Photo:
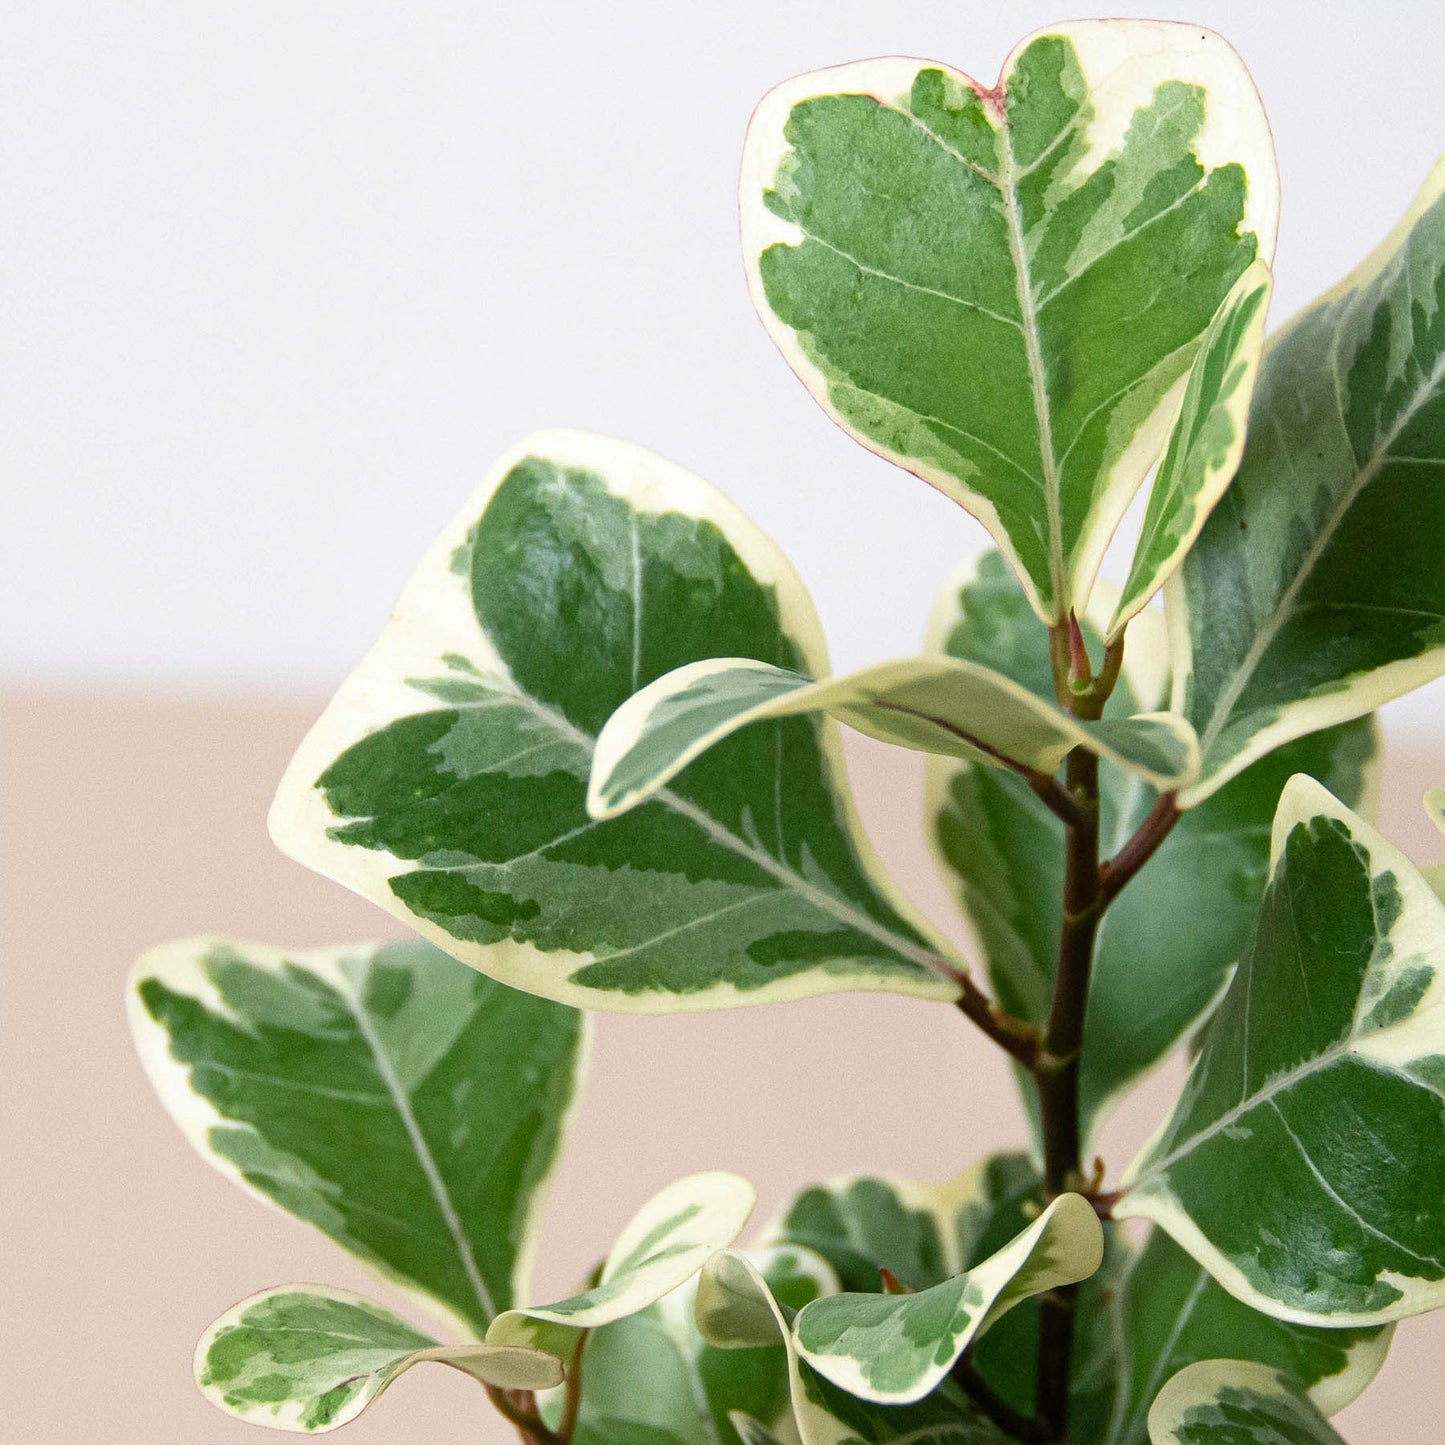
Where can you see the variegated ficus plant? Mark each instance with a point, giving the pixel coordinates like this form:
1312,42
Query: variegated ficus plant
592,761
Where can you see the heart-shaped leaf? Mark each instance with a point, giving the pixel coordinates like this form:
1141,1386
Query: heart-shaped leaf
930,704
1236,1402
1304,1165
446,780
1205,444
1003,288
309,1359
666,1242
894,1349
1003,853
1315,591
404,1105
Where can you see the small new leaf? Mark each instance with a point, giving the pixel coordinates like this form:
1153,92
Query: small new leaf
308,1359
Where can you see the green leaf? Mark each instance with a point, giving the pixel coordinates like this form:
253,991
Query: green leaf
307,1359
1205,444
894,1349
402,1104
446,781
1166,1312
930,704
665,1243
1304,1165
749,1432
1003,289
694,1391
1002,852
1315,591
736,1309
1236,1402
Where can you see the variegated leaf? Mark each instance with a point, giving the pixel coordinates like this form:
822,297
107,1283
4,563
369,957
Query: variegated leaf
1166,1312
934,704
652,1377
663,1245
736,1309
1304,1165
1002,289
446,780
404,1105
1435,810
894,1349
1205,444
1003,852
309,1359
1315,591
1236,1402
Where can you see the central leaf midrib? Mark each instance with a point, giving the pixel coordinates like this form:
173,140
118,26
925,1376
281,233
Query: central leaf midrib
1284,608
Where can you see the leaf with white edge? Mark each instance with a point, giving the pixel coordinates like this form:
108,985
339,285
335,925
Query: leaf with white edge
446,780
1315,592
694,1391
309,1359
404,1105
1002,852
1435,810
1002,289
664,1244
736,1309
1166,1313
894,1349
1236,1402
1205,444
1304,1164
930,704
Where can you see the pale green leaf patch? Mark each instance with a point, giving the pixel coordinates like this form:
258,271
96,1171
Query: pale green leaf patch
309,1359
666,1242
1434,874
750,1432
1205,444
1304,1164
447,779
404,1105
894,1349
1002,851
1002,289
1236,1402
1315,590
936,705
737,1310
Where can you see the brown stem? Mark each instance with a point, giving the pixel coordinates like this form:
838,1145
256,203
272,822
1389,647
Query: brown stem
1155,828
572,1393
1012,1422
519,1409
1014,1035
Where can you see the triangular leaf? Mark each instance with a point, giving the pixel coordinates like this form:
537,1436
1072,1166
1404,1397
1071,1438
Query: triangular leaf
407,1107
1304,1165
665,1243
894,1349
1315,591
446,780
1236,1402
931,704
309,1359
1205,444
1001,289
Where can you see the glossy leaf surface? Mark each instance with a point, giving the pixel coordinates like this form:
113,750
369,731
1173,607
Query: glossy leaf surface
1304,1165
1236,1402
1315,591
1001,289
446,781
404,1105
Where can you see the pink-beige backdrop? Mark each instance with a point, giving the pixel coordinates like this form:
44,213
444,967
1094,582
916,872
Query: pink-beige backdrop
130,819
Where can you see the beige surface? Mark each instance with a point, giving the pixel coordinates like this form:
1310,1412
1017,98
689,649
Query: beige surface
127,822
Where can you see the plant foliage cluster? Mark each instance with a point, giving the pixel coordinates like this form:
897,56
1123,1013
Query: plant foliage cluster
592,761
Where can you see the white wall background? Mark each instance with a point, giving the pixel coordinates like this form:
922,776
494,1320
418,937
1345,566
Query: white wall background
282,278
